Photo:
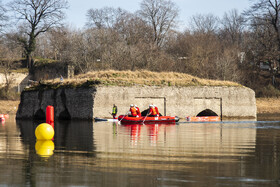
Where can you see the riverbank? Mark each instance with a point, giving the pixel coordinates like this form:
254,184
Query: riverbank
8,107
268,108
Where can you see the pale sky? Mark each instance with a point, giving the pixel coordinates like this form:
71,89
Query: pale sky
78,9
76,14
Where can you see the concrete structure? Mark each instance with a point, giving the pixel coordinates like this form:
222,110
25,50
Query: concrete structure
18,80
87,103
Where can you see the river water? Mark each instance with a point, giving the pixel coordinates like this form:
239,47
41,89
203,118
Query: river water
85,153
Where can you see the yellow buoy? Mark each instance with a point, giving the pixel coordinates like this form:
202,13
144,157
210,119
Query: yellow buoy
44,132
44,148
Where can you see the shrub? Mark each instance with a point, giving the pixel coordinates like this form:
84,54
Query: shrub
268,91
8,95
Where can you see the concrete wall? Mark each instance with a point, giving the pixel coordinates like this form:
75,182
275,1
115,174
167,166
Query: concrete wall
182,102
52,71
18,80
87,103
68,103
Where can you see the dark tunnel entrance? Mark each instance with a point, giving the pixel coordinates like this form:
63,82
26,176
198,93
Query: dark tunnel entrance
207,112
40,115
65,115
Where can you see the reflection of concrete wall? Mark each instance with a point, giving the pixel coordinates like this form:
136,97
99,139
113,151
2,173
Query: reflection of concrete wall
193,143
74,135
86,103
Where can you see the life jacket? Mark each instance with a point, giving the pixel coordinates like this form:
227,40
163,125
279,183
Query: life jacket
114,110
138,111
153,111
133,111
156,108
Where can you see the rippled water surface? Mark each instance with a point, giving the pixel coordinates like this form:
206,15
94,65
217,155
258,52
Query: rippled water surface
86,153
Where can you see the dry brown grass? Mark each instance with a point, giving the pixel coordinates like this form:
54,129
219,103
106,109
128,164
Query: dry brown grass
129,78
8,107
268,105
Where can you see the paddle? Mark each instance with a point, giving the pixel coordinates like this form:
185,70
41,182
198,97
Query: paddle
110,113
123,117
145,117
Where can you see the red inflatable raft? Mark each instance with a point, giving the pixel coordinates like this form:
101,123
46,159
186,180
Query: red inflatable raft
161,119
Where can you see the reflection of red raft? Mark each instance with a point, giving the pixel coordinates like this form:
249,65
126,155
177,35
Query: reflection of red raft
160,119
3,117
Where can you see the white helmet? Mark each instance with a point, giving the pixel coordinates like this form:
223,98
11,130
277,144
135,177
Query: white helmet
131,105
150,106
135,105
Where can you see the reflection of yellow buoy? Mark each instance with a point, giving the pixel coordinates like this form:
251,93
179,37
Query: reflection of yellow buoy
44,148
44,132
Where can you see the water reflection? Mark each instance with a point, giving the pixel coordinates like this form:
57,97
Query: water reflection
209,138
135,131
150,131
109,154
69,135
44,148
74,136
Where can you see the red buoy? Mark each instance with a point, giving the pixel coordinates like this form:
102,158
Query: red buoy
49,114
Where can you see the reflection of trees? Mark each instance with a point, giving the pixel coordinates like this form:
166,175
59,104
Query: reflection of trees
267,153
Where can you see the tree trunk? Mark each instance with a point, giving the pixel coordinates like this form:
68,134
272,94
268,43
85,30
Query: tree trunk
29,59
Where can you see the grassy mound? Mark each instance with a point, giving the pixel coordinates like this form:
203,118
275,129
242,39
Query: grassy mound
132,78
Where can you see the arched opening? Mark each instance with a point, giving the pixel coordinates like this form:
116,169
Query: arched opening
207,112
40,115
65,115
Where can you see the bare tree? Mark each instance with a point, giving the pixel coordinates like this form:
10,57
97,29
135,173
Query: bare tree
3,17
105,17
9,52
38,16
226,66
204,23
265,13
58,41
6,64
233,25
161,16
133,29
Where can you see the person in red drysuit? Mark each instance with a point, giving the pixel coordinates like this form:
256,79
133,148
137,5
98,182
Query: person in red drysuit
152,111
156,108
133,111
138,111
